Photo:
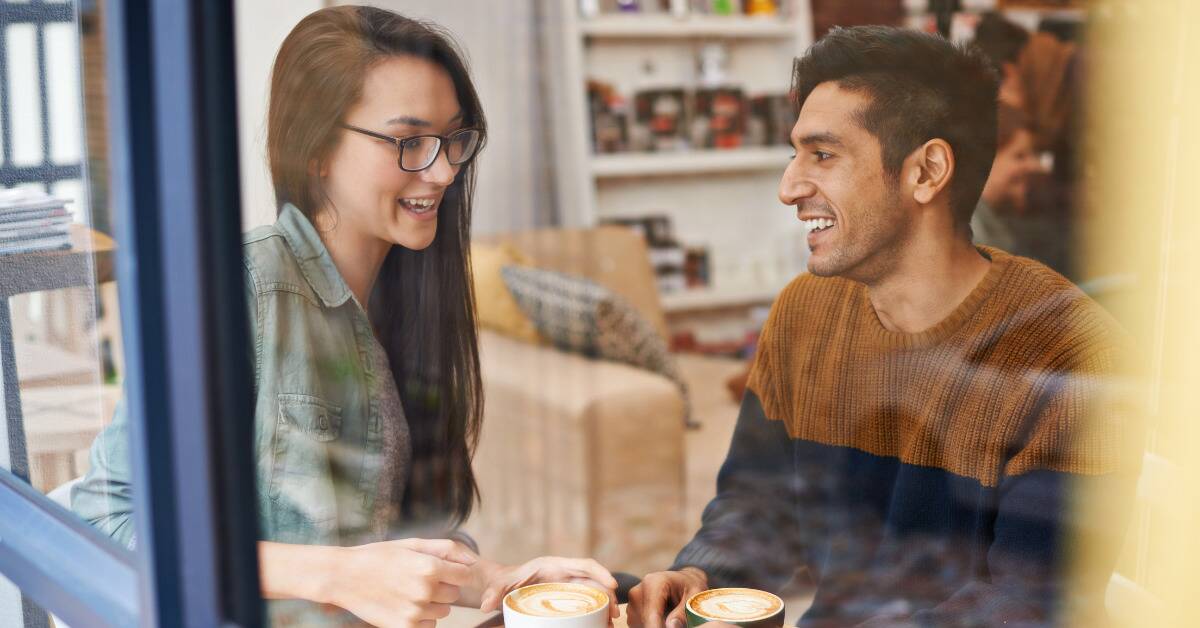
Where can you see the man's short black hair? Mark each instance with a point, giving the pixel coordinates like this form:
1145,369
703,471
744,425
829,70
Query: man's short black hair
921,87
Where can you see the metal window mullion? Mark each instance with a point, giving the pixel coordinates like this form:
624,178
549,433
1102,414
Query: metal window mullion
44,94
65,565
5,106
175,167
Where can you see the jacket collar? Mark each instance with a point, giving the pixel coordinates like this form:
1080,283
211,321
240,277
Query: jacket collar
315,263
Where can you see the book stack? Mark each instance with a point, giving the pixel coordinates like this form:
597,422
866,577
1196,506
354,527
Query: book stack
31,220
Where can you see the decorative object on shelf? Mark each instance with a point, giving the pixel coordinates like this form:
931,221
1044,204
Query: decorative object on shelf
589,8
726,7
762,7
711,65
718,118
609,112
658,120
770,120
668,257
695,266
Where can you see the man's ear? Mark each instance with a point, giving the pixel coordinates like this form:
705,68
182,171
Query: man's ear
930,169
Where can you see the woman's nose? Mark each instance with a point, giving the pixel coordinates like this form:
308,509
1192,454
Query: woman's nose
440,171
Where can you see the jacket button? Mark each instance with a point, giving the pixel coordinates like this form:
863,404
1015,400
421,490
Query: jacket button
323,421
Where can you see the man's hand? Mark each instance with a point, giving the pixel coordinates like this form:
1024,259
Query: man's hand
663,594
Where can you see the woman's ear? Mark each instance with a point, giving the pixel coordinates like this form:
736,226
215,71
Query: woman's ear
933,165
317,168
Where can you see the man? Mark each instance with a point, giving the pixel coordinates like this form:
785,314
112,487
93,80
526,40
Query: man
921,411
1002,202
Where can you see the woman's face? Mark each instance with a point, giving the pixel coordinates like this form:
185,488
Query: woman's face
371,196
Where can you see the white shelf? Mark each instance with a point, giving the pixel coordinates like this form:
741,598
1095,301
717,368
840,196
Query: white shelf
715,298
626,165
656,26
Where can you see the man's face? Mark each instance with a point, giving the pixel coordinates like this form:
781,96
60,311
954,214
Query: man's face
1009,179
851,207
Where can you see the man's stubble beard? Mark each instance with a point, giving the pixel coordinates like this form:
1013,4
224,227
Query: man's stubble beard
881,236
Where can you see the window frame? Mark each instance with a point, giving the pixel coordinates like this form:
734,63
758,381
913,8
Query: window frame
174,163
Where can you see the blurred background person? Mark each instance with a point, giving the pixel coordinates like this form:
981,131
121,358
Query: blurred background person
1000,219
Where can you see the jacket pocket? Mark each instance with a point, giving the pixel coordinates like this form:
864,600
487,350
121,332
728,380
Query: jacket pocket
302,482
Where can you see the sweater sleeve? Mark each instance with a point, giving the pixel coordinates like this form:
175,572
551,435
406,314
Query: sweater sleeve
748,531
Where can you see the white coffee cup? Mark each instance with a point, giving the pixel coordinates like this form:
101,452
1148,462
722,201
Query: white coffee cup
556,605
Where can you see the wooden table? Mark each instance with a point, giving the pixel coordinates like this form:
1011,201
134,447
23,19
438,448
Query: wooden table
461,617
89,261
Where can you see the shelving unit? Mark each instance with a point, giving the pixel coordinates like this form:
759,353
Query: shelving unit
696,26
723,199
712,299
686,163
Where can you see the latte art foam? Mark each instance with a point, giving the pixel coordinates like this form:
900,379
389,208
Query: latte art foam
735,604
556,600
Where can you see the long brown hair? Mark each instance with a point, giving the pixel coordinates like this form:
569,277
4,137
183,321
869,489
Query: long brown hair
422,305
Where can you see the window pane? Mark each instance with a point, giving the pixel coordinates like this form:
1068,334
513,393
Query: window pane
687,351
60,323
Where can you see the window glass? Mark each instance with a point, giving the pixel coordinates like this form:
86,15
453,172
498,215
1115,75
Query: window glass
60,321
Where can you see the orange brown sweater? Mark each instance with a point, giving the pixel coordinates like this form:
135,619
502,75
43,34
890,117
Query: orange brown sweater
923,477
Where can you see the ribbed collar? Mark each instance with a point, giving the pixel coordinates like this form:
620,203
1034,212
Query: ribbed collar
315,263
944,329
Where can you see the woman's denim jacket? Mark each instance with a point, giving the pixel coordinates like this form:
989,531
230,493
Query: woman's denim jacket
317,425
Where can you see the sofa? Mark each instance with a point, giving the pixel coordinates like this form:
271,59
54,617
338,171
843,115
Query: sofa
577,456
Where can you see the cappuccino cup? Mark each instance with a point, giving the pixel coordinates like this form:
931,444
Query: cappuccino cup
749,608
556,605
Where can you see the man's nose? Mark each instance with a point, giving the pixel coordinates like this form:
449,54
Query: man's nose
795,186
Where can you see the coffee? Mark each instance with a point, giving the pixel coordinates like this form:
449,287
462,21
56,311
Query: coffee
743,607
556,605
556,600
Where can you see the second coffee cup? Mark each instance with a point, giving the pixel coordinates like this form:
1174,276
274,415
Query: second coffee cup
748,608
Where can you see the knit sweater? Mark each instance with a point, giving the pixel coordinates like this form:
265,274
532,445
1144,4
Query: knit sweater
926,479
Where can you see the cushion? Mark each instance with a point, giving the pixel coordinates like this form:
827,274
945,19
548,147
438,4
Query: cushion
581,316
496,308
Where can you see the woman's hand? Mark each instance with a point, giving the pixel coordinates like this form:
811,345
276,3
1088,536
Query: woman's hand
409,583
502,579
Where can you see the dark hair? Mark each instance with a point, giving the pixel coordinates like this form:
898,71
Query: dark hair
1000,39
1009,120
423,305
921,87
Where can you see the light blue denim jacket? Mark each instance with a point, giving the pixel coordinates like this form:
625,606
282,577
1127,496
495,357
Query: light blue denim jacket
318,437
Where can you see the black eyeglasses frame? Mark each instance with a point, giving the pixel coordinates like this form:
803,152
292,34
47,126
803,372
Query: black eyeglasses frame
443,142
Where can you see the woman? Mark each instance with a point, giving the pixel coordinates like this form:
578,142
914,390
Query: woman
368,395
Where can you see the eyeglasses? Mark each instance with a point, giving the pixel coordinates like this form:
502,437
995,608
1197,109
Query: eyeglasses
418,152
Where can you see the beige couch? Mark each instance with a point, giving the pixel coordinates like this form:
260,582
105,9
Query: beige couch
581,457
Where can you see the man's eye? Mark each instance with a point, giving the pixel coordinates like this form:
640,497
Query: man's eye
821,155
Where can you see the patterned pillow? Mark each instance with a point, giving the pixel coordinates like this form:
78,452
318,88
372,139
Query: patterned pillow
581,316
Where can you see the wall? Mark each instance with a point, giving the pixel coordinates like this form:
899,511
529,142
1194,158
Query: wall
261,27
500,41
